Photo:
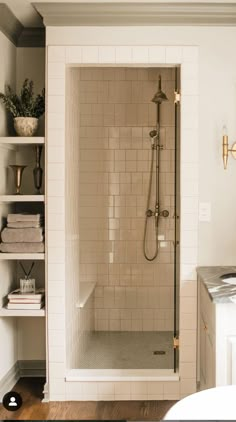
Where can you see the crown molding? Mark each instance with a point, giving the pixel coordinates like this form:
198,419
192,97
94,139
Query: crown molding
121,14
9,24
15,31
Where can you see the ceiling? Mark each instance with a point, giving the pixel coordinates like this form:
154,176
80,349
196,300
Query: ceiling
28,16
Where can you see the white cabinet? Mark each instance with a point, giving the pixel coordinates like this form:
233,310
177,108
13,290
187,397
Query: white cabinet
206,339
216,341
202,356
210,360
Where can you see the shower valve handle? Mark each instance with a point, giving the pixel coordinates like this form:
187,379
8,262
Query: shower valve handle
149,213
156,213
164,213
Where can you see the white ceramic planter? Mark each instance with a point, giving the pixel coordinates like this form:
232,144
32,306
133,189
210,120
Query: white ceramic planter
25,126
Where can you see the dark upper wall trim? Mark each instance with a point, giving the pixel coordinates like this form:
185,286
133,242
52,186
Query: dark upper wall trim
15,31
32,37
83,14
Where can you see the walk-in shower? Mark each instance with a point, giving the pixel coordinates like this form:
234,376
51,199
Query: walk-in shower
156,146
121,298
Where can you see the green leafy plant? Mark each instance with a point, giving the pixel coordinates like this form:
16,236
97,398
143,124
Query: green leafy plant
26,104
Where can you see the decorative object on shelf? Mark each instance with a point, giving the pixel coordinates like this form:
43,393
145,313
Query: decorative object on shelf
38,171
27,284
25,108
24,234
26,300
18,171
226,148
25,126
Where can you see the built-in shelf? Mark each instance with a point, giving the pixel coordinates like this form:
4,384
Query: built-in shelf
4,312
21,198
18,140
22,256
85,291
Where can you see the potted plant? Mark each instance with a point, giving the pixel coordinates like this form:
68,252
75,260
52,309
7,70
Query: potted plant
25,108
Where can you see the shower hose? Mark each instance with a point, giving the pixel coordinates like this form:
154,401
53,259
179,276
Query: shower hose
148,216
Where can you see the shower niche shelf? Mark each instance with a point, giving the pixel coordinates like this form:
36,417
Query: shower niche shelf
85,291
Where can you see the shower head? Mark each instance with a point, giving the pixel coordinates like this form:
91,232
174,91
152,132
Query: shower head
159,97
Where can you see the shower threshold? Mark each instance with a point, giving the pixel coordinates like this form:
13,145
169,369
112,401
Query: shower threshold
121,375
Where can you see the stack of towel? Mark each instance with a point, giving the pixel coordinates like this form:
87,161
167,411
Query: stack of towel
24,234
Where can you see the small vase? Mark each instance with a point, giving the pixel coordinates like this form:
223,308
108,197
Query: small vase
38,171
25,126
18,171
27,285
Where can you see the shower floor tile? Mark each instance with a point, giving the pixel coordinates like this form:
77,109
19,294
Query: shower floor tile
128,350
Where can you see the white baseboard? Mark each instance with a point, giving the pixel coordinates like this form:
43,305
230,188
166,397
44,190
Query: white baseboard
22,368
45,393
9,380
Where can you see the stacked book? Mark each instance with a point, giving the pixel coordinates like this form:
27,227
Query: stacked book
24,234
18,300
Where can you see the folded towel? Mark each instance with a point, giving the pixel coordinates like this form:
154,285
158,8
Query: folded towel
21,247
22,235
23,225
13,218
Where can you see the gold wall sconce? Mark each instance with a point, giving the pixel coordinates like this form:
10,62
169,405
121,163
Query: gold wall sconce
226,149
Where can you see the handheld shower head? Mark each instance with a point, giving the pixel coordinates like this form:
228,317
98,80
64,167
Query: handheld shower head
160,96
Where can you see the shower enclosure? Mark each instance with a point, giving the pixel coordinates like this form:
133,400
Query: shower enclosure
122,304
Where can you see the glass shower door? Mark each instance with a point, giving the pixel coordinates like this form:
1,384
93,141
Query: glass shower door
177,221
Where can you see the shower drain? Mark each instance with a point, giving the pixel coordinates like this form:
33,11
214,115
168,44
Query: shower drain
159,352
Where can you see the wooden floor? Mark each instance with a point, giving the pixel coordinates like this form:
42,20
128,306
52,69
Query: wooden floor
32,408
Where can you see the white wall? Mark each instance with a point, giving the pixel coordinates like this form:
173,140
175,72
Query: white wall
217,106
8,353
31,65
7,75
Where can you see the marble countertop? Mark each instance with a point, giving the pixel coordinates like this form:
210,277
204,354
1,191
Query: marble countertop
219,291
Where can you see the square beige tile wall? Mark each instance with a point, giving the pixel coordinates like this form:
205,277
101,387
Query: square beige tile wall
116,116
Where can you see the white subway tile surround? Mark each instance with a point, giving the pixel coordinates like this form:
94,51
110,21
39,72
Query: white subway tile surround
187,58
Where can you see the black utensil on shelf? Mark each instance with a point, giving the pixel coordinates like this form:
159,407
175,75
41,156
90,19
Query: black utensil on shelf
38,171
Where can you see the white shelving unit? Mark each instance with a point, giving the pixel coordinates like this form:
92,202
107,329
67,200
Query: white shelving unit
21,198
22,256
15,140
22,312
19,141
